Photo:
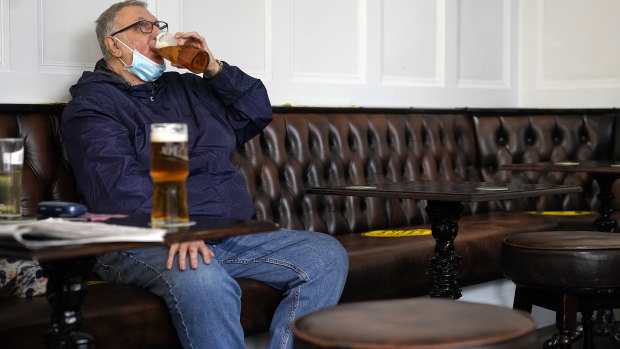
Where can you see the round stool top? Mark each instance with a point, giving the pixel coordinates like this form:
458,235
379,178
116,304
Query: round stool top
429,323
565,240
584,260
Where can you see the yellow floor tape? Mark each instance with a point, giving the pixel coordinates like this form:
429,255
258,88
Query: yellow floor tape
560,213
398,233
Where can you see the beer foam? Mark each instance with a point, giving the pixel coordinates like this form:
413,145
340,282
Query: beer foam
168,132
168,137
165,39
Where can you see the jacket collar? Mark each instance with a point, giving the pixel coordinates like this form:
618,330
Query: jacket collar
102,68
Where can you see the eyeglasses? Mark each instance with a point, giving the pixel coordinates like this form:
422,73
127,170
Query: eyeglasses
145,26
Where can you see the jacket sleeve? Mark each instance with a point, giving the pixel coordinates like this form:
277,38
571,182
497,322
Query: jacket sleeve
247,104
108,172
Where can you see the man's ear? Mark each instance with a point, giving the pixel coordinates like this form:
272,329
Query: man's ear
113,46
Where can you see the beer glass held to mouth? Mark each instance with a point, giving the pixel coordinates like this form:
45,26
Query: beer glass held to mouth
11,161
187,56
169,170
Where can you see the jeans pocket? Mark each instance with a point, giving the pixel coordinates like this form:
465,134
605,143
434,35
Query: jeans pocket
107,271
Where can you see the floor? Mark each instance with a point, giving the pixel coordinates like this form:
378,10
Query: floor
599,342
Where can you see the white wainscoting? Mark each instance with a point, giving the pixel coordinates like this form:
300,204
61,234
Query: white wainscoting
384,53
569,53
4,35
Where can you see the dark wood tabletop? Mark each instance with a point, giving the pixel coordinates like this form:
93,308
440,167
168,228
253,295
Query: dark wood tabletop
603,172
444,208
612,167
206,228
448,190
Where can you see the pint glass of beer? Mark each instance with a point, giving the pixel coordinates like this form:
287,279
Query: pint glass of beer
11,160
189,57
169,170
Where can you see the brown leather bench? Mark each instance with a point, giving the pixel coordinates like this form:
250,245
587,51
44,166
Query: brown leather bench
305,147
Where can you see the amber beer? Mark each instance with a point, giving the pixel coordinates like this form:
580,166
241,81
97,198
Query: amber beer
169,170
189,57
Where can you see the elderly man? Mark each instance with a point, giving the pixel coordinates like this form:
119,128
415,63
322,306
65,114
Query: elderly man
106,130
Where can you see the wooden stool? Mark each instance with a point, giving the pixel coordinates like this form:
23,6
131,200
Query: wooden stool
429,323
565,271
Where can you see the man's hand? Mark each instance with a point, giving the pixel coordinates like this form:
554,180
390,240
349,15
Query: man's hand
196,40
194,248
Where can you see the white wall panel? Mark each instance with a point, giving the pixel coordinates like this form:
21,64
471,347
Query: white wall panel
579,42
328,40
568,53
23,36
484,43
237,31
391,53
413,42
4,35
68,41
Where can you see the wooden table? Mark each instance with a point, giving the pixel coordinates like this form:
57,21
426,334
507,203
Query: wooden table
444,208
603,172
68,267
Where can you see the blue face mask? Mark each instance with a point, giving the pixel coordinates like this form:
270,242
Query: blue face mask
143,67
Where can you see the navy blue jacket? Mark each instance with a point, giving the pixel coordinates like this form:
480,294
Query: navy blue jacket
106,128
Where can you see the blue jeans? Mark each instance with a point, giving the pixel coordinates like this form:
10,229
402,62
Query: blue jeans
205,304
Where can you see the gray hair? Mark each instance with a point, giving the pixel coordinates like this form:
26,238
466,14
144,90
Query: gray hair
106,23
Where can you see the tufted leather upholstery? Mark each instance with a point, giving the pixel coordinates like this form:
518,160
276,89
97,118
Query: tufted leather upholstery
306,147
46,173
310,147
528,136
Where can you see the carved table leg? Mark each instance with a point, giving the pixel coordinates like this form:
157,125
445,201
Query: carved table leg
66,288
554,341
604,322
606,221
444,218
586,326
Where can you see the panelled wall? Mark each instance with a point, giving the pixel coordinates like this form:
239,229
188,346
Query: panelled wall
388,53
569,53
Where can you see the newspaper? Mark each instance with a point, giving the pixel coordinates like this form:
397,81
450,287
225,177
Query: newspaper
58,232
